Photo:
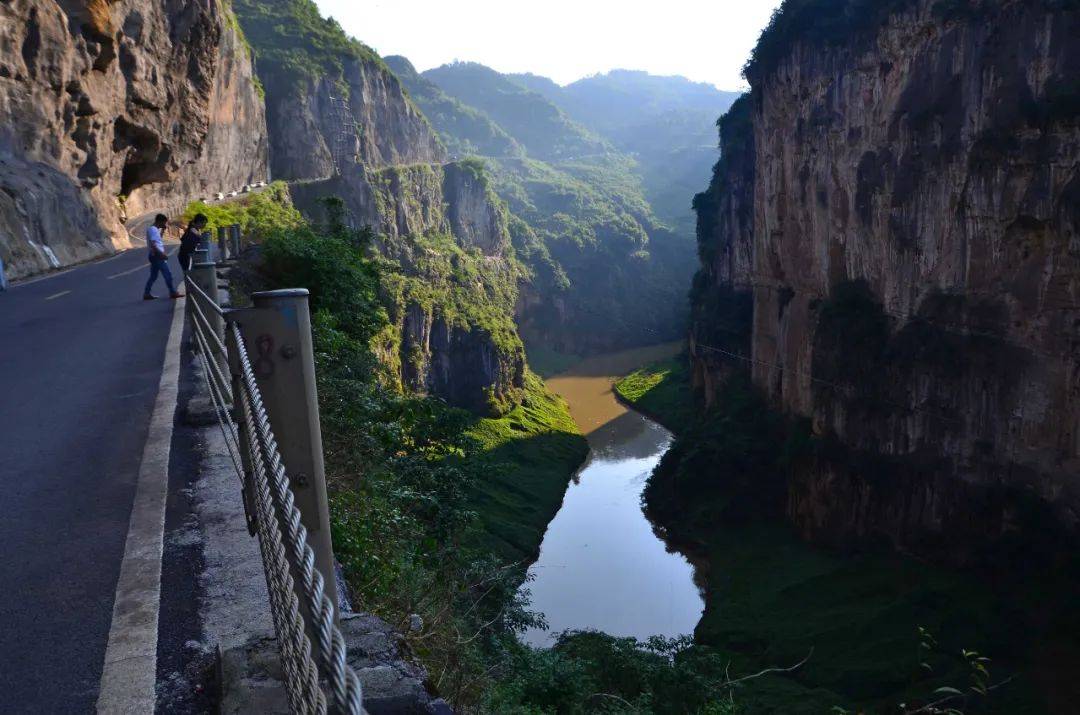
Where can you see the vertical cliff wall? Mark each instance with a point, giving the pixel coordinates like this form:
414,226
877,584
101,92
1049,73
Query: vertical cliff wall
330,100
914,264
721,300
381,126
115,108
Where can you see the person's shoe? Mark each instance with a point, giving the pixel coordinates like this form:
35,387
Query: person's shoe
174,296
148,296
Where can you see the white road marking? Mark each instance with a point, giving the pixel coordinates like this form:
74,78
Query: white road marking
56,274
140,267
57,295
129,675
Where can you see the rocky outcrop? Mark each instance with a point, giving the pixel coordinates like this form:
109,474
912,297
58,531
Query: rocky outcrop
475,215
317,124
397,202
461,363
112,109
451,310
915,269
253,678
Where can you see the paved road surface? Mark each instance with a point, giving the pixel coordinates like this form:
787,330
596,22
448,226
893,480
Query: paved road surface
80,362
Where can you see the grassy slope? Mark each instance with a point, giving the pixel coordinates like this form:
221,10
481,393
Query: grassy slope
293,38
661,391
529,456
544,129
772,599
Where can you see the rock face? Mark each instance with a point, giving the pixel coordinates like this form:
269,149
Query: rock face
397,202
462,364
316,123
447,231
253,679
116,108
914,262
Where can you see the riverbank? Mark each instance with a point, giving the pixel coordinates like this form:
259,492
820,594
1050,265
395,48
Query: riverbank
525,462
601,565
772,600
660,391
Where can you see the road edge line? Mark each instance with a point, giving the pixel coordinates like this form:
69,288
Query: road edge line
129,675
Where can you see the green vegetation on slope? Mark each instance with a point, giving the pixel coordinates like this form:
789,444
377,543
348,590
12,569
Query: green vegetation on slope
544,129
526,460
465,130
294,43
665,123
661,391
772,599
258,214
456,285
603,272
589,237
592,672
434,509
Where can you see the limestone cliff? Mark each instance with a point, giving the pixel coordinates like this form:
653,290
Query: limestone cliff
416,200
381,126
451,302
913,260
114,108
330,100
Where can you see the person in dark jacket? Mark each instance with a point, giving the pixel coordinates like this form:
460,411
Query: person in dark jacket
190,241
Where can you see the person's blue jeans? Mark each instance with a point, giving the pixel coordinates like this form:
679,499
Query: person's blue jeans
159,265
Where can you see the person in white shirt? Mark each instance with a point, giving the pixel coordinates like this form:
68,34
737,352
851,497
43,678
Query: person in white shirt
159,259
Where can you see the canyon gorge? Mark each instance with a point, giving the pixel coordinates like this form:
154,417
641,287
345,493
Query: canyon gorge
868,323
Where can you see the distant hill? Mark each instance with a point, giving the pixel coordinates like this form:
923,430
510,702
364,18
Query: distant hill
606,102
465,130
534,120
667,123
605,273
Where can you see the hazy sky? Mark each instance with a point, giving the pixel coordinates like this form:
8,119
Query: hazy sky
705,40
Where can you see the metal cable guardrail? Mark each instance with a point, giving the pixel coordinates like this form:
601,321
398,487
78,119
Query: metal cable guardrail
271,484
313,651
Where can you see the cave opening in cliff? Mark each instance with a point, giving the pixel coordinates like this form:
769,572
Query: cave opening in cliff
32,43
146,160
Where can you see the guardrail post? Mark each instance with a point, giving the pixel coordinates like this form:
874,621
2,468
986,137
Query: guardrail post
204,275
222,256
277,334
234,234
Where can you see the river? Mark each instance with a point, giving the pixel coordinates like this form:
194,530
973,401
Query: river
601,565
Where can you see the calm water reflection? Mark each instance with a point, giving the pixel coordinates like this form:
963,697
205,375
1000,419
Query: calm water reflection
601,565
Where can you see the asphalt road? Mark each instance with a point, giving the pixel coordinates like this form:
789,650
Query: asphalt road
80,362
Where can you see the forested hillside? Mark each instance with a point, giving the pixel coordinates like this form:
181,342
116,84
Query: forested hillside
668,124
605,271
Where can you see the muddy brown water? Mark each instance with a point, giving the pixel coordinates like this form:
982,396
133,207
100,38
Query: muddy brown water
601,564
